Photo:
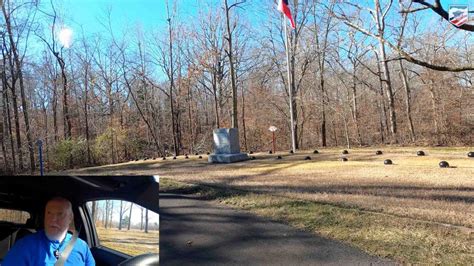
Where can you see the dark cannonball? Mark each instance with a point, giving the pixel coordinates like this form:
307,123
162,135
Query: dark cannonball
174,157
208,153
307,158
136,160
270,152
164,158
378,152
387,162
443,164
420,153
315,151
196,153
186,157
146,158
200,157
279,157
344,159
291,151
345,152
253,158
250,152
471,154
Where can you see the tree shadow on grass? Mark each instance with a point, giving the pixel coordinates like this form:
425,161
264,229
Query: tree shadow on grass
202,234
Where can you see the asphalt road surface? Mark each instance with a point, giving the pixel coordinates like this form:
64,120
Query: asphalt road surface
198,232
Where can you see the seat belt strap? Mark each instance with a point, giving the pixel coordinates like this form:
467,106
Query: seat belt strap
67,250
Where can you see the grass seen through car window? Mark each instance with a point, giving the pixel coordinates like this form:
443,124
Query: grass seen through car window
125,227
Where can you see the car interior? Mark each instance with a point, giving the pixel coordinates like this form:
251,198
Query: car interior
30,194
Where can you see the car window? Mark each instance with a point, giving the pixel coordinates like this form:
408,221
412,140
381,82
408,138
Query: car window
125,226
14,216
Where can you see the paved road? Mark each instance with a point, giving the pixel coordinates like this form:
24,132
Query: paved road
197,232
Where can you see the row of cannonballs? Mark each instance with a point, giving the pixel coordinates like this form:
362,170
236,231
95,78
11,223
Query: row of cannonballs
442,164
186,156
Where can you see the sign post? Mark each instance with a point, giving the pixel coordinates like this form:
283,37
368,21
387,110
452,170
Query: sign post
273,129
40,148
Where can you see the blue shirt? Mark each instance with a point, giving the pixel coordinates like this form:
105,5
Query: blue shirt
37,249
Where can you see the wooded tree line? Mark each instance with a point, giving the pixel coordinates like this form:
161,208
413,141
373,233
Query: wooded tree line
118,214
362,73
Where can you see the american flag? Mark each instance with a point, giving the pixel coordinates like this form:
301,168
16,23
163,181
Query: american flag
458,15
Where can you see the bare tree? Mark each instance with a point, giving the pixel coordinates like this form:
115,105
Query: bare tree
58,54
321,34
379,15
19,72
230,55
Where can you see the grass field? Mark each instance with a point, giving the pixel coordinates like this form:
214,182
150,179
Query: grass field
131,242
411,211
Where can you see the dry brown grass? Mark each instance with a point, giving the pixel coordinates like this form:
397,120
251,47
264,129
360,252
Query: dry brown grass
131,242
414,188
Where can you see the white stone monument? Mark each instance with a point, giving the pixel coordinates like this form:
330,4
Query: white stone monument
226,146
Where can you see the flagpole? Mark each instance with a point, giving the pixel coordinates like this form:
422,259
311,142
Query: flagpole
290,92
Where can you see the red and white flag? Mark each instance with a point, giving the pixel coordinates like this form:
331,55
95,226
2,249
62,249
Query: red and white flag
458,14
283,7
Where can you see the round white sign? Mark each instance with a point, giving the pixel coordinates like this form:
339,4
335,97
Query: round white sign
273,128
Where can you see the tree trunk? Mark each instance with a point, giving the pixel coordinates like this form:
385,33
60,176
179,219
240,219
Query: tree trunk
22,90
86,113
46,144
434,105
323,121
10,131
106,213
55,109
386,73
146,221
111,121
111,224
216,109
94,211
346,131
235,123
141,219
130,216
244,127
354,110
384,118
67,120
7,122
170,92
17,128
120,216
406,86
334,131
3,138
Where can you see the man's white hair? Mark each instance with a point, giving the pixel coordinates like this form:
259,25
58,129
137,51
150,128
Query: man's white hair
62,199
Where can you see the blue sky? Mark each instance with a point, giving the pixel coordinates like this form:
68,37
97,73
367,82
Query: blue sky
150,13
88,13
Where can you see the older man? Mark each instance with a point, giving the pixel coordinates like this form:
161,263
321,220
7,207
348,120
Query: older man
53,245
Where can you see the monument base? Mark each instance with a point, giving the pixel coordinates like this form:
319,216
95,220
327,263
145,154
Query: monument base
227,158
